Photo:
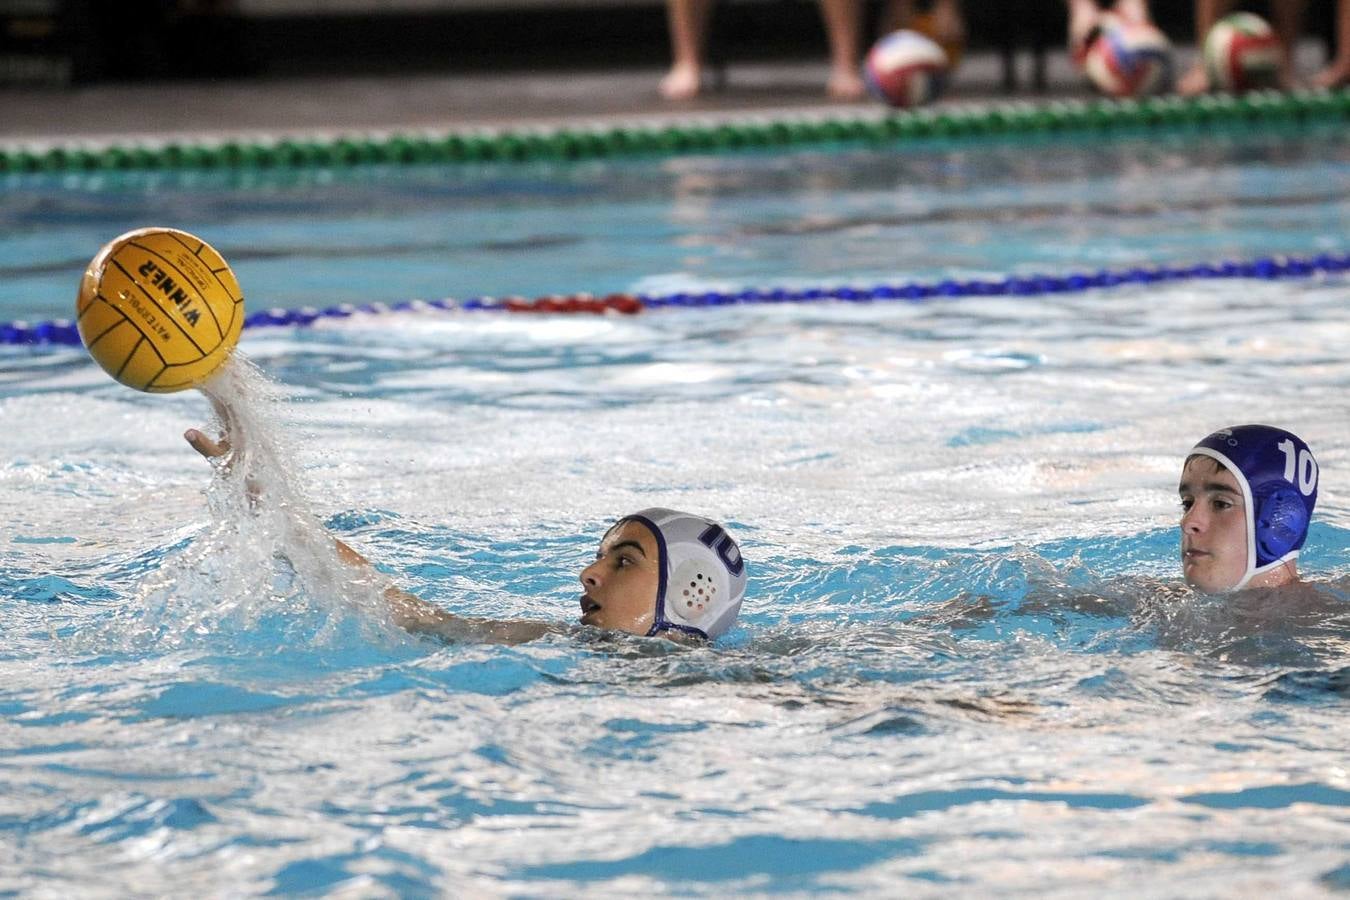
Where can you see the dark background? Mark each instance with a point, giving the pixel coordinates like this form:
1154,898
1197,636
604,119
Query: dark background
85,41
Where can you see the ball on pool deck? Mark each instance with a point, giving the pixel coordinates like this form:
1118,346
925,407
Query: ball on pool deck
1242,53
159,310
1129,59
905,69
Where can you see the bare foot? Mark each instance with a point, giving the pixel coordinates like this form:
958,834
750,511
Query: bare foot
846,85
1334,75
1194,82
682,82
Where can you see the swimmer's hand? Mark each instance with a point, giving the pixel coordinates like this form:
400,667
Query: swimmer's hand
408,610
218,454
205,446
208,448
222,453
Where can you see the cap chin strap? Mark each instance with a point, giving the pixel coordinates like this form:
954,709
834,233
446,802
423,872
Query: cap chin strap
662,625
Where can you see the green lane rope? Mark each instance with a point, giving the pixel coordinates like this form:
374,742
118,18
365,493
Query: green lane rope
1060,117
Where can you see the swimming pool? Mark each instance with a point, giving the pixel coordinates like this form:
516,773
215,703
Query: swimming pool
965,665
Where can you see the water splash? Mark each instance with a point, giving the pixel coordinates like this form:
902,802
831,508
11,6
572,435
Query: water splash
263,573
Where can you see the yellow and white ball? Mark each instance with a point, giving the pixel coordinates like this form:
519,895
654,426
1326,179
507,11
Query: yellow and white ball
159,310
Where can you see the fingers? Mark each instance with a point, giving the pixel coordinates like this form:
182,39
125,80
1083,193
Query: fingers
204,445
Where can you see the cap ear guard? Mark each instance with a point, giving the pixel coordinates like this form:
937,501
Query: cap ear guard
693,591
1281,523
702,573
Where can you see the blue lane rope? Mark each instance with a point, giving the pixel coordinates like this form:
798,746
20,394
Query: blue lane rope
62,332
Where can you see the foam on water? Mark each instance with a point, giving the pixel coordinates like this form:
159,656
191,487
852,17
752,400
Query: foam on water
966,664
263,565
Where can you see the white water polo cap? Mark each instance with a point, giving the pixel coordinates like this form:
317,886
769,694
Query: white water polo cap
1278,477
702,574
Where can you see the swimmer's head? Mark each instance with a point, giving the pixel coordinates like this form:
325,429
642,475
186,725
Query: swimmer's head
658,571
1248,494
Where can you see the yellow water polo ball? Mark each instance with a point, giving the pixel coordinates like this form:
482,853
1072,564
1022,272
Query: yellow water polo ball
159,310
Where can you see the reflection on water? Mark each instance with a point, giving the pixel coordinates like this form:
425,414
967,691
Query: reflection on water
847,216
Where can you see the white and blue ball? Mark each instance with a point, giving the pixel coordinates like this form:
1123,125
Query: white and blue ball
1129,59
1242,53
906,69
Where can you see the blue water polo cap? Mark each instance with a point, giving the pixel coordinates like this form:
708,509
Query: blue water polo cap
702,577
1278,477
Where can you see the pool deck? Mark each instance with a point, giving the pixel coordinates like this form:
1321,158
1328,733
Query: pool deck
317,106
258,107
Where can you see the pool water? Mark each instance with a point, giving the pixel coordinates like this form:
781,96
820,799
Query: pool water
965,666
846,215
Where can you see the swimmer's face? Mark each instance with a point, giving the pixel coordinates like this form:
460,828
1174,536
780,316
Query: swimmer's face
1213,526
620,586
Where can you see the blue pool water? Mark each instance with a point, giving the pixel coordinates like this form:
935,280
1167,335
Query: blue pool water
322,237
966,665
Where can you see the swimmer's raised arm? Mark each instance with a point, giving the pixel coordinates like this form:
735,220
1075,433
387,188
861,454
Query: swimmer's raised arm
657,572
408,610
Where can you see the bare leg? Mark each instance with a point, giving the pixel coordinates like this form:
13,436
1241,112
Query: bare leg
1338,72
1083,17
1207,12
843,26
1287,20
895,15
949,26
688,22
